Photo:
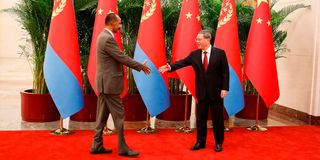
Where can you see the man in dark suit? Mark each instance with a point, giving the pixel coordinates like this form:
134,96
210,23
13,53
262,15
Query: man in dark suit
109,83
212,83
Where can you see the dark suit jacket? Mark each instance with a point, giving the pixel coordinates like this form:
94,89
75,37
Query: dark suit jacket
109,75
215,79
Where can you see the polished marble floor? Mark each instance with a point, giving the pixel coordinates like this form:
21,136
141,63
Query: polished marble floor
17,77
18,124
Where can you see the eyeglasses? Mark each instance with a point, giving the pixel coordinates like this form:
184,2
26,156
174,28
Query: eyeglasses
199,39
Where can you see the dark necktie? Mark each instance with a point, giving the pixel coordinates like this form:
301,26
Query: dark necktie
205,61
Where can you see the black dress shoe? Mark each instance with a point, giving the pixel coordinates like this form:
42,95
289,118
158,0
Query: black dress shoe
197,146
101,151
218,148
129,153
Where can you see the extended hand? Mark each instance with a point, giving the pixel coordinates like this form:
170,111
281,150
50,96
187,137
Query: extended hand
145,68
164,68
223,93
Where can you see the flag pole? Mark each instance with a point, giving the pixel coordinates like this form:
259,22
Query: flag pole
185,128
226,122
257,127
61,131
108,131
147,129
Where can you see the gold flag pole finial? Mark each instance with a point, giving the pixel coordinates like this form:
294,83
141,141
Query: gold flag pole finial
61,131
147,129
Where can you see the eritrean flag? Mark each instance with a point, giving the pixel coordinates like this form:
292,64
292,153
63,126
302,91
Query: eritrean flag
150,47
62,70
228,40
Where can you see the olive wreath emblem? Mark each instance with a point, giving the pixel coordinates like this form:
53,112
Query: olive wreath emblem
227,17
149,12
59,7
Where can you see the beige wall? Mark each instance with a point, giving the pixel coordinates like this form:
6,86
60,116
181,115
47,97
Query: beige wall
296,71
15,73
11,36
315,94
11,33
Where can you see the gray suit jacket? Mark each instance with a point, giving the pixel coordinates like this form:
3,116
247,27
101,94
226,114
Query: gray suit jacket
109,75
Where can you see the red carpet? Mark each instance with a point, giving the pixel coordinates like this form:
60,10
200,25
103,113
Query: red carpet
298,142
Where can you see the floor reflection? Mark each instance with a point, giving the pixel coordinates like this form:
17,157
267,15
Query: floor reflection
273,119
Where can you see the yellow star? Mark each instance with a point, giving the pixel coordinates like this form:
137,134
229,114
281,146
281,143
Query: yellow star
260,1
198,18
269,23
110,11
188,15
259,21
100,11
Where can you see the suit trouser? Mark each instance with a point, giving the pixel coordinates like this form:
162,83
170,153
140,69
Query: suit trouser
109,103
216,110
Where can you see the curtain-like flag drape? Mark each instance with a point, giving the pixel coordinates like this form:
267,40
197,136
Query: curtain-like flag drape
228,40
188,27
150,47
103,9
260,65
62,70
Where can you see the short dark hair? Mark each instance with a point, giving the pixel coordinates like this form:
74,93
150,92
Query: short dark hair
110,18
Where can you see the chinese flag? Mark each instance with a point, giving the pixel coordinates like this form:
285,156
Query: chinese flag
184,40
228,40
103,9
260,66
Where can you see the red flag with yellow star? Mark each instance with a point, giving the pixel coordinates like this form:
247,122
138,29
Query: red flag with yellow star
184,40
103,9
260,65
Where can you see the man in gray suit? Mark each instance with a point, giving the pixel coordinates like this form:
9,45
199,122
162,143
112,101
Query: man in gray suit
109,83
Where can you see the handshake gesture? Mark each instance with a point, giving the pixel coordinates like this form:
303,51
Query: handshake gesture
164,68
145,68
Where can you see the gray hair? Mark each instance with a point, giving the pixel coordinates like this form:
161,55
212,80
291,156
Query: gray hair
206,34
